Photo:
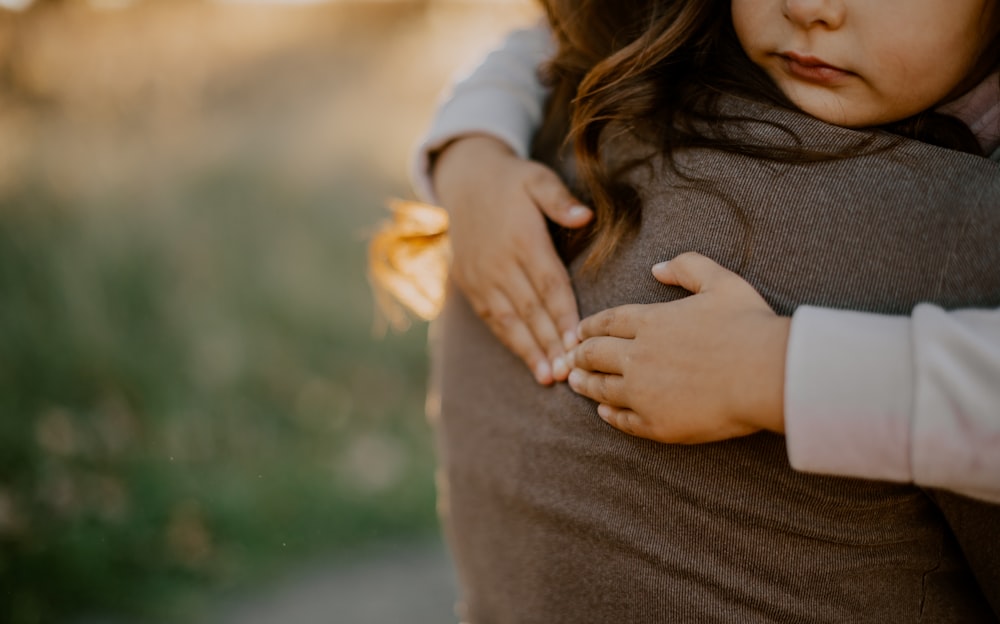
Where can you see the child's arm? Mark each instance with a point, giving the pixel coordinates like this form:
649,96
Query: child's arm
502,98
897,398
911,399
504,260
701,369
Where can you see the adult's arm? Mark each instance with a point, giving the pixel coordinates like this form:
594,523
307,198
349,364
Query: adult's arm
503,98
898,398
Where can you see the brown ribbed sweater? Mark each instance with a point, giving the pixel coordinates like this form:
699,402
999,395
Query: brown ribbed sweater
555,517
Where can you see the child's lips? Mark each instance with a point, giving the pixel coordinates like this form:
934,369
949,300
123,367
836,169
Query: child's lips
811,68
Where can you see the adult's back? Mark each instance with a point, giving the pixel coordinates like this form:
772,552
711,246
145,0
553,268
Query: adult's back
554,516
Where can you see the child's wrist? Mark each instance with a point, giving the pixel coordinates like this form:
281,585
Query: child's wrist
773,417
454,157
766,401
476,144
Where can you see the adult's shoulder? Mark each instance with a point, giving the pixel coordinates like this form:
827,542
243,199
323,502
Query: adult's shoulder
864,147
866,162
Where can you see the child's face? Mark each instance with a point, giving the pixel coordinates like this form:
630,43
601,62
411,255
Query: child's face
863,62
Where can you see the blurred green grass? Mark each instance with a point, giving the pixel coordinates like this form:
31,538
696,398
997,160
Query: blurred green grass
192,397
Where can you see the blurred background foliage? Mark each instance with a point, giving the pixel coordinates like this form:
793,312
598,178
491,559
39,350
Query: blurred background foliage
191,396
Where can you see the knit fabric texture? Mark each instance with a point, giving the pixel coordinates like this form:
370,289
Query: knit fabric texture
555,517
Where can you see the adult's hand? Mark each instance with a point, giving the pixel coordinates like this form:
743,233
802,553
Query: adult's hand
704,368
503,258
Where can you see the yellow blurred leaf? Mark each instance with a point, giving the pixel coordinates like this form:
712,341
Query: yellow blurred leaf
408,259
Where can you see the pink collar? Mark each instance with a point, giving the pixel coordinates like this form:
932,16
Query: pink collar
980,110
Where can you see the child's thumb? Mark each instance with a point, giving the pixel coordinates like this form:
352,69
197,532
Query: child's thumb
691,271
556,202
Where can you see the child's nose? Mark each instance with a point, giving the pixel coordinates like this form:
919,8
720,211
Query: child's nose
808,13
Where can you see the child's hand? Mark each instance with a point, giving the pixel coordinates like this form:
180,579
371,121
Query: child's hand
504,260
705,368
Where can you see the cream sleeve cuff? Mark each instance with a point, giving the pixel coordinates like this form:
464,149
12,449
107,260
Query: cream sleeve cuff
848,394
910,399
503,97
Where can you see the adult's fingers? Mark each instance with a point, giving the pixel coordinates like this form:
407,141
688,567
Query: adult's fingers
602,388
552,197
620,322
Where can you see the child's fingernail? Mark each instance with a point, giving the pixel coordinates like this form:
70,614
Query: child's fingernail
578,212
570,339
543,374
575,378
661,266
559,367
604,411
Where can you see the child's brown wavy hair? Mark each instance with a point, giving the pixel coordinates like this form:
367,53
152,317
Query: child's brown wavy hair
656,69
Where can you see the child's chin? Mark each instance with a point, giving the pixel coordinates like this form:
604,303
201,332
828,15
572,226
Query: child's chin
832,110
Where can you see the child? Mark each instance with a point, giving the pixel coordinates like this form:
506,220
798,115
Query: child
555,518
877,348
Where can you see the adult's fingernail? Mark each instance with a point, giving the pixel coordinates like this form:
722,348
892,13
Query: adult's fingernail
578,212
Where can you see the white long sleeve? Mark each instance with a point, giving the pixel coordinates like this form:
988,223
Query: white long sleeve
502,97
911,399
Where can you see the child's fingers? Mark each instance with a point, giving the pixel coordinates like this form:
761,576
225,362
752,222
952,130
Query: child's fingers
603,354
551,283
623,419
620,322
698,274
552,197
691,271
505,323
602,388
531,308
673,432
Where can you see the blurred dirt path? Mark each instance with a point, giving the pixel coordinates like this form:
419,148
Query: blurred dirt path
391,584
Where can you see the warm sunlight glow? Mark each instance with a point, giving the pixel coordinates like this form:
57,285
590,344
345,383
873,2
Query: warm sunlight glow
14,5
408,262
